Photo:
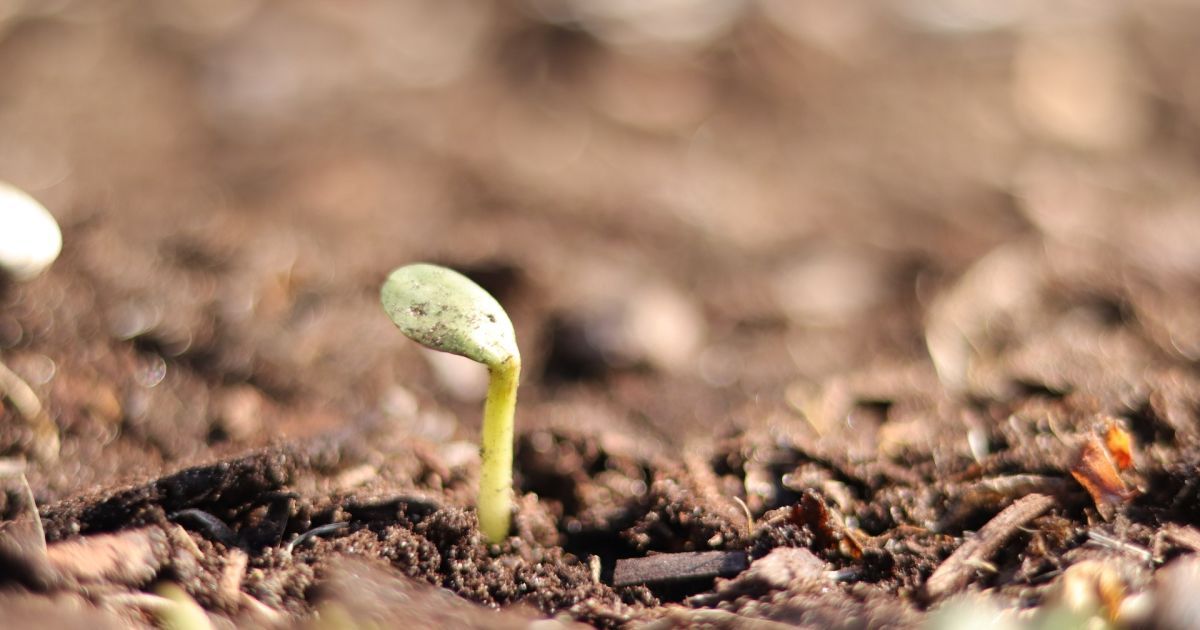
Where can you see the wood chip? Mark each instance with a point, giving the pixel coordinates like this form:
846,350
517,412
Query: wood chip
957,570
667,568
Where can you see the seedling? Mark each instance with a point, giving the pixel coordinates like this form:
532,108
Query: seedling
444,310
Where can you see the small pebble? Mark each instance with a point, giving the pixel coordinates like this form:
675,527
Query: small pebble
828,287
1079,88
665,326
239,412
29,237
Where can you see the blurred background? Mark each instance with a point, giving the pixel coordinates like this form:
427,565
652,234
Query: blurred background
696,211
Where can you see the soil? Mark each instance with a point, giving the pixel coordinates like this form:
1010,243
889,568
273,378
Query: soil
842,288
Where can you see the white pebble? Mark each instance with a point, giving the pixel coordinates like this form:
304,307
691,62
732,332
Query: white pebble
29,237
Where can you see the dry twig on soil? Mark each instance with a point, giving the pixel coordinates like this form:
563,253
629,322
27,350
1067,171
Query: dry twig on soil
956,571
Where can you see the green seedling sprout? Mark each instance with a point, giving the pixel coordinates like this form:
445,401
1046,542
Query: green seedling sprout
444,310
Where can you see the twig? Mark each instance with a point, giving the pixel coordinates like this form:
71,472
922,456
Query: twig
956,571
208,525
314,532
1109,542
667,568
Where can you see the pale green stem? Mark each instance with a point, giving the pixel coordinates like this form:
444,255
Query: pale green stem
495,480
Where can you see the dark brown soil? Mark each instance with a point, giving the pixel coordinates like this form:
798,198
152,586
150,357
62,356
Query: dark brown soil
883,283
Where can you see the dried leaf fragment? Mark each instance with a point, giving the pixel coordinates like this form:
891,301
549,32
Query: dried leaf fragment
1094,470
1120,444
827,530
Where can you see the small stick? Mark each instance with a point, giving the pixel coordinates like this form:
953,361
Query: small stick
1109,542
314,532
208,525
956,571
665,568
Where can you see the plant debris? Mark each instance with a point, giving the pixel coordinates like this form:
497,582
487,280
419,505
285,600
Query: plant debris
956,571
1094,470
667,568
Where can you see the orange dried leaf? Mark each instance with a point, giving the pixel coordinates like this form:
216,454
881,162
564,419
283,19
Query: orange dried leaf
1094,470
1120,445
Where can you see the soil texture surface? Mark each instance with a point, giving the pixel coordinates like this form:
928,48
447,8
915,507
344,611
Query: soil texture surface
833,315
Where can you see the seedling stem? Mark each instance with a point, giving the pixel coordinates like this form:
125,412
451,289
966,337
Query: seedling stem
495,479
444,310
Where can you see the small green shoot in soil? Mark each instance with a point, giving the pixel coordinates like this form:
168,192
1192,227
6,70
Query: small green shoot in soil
444,310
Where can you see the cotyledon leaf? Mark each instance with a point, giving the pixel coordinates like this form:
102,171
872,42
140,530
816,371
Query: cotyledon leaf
444,310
